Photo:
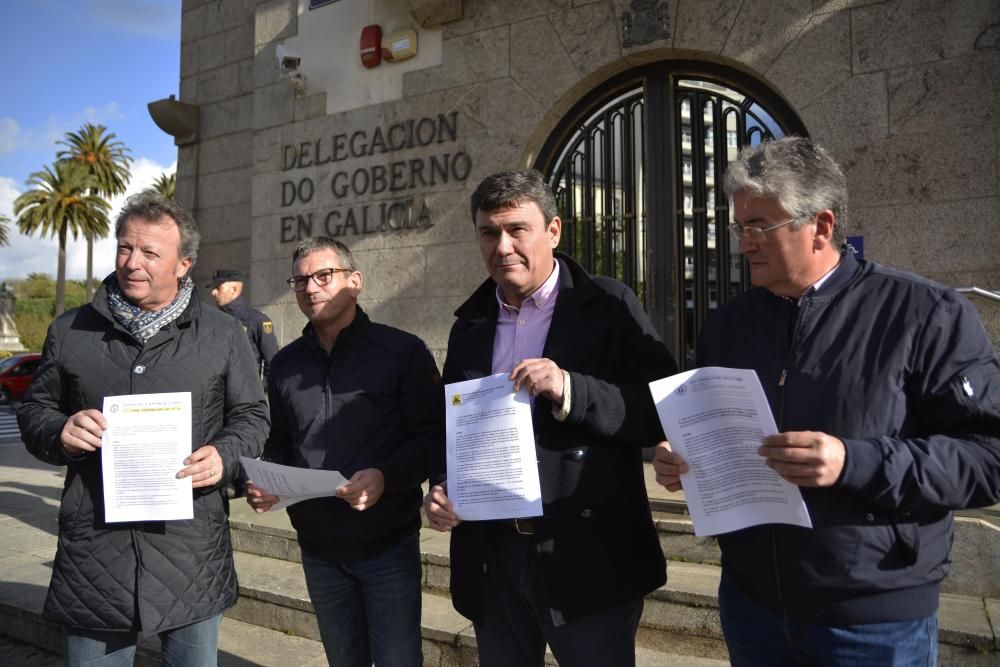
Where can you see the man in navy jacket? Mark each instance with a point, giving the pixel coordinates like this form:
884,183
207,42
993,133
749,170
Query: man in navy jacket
365,399
886,393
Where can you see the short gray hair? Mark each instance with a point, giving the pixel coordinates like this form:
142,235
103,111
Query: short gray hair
314,243
800,174
150,207
509,189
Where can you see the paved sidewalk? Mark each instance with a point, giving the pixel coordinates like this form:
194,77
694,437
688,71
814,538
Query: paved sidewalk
30,492
14,653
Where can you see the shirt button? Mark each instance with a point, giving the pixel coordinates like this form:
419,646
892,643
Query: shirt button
140,369
521,322
586,514
577,455
870,517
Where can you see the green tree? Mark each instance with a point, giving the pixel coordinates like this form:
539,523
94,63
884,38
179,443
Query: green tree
165,186
61,201
108,162
36,304
3,230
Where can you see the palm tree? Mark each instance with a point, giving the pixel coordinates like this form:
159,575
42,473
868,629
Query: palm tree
107,161
165,186
60,200
3,230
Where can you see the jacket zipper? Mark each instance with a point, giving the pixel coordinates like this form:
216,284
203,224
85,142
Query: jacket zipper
781,415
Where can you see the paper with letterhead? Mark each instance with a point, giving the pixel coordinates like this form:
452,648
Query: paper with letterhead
492,466
142,450
715,418
291,484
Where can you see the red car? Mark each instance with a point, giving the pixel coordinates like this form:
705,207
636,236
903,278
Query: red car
15,375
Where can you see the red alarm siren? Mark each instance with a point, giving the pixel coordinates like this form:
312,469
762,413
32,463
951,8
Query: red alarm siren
371,46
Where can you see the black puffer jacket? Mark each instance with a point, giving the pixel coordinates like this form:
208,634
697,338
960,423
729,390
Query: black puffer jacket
156,575
900,369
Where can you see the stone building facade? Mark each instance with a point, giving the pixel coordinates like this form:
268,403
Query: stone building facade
905,94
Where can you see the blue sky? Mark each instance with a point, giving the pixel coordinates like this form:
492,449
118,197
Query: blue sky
71,62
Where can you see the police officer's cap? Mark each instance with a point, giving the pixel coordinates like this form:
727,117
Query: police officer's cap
225,276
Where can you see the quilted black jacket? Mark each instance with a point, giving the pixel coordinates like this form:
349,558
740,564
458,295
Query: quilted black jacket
156,575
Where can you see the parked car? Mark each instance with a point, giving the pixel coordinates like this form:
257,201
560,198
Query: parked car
15,375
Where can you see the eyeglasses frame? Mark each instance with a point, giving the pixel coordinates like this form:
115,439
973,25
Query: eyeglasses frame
741,233
305,279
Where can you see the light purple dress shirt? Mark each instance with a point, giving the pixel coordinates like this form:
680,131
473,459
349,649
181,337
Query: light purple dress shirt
521,332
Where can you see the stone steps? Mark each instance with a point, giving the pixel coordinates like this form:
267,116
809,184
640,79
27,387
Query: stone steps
273,595
679,619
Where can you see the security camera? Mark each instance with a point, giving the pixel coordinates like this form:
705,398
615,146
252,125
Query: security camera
288,60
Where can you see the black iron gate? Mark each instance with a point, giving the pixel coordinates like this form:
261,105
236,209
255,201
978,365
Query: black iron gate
637,169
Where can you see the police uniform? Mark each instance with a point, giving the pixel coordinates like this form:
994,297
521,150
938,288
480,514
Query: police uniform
259,328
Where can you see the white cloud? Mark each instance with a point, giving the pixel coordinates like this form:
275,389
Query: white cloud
36,255
13,137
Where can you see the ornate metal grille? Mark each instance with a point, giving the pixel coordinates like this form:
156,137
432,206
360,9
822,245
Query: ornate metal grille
715,123
598,183
659,141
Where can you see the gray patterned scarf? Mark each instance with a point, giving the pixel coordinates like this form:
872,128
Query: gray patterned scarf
143,324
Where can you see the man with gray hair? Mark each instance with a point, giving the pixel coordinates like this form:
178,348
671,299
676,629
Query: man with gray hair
144,332
886,394
365,399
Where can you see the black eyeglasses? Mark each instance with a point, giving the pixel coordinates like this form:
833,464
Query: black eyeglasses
321,278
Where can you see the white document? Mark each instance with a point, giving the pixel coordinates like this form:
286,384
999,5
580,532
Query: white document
142,450
492,467
715,418
292,485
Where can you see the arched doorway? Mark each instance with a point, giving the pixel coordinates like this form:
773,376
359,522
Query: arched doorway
637,168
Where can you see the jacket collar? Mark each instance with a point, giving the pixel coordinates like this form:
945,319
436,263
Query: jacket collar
482,304
573,324
348,336
235,306
843,275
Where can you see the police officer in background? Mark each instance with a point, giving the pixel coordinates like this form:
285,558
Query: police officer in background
227,290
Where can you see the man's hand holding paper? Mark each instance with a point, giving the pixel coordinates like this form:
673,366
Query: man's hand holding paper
716,420
274,486
805,458
669,467
491,462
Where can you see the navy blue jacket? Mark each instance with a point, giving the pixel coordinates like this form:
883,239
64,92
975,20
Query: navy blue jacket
900,369
597,541
374,402
259,330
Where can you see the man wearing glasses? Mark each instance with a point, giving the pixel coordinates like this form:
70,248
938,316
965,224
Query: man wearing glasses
886,393
365,399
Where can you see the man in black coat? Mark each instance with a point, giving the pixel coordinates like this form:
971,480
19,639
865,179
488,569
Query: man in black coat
226,287
145,332
574,578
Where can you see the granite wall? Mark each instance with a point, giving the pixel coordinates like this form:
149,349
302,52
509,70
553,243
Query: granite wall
905,93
